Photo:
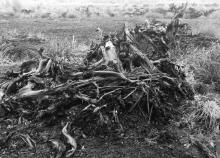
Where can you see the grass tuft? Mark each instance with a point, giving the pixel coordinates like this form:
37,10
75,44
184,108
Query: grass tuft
204,113
203,66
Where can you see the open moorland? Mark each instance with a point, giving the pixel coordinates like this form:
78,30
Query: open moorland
187,130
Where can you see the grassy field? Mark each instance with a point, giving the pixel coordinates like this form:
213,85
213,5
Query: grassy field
141,138
84,28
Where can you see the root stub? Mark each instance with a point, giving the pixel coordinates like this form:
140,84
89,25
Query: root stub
95,98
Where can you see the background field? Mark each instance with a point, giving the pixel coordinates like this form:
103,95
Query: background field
84,28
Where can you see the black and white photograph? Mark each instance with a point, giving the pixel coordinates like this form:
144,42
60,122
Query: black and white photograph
109,78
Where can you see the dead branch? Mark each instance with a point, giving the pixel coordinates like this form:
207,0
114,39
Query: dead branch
70,140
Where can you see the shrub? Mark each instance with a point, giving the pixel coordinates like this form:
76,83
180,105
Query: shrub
160,10
174,8
208,12
45,15
71,16
214,15
192,13
110,13
64,14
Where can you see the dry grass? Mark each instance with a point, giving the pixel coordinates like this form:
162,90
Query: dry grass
204,113
209,27
206,25
66,50
5,62
204,63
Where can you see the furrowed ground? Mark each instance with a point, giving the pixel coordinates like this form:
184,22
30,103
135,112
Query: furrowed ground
140,138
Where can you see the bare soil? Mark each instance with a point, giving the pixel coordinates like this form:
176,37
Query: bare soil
139,139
